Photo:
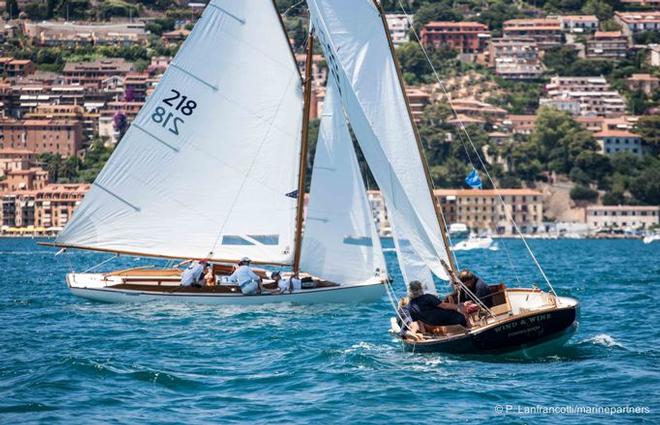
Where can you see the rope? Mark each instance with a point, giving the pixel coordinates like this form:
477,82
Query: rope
100,264
476,151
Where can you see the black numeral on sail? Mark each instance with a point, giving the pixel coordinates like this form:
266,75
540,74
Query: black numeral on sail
180,103
161,118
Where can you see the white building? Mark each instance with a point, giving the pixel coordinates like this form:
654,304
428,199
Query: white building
622,216
399,26
584,96
615,141
377,203
578,23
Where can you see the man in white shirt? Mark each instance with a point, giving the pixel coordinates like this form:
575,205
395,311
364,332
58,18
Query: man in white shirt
247,279
193,275
286,285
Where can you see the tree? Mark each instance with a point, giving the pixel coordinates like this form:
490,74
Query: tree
583,193
600,8
439,11
614,198
648,127
646,186
636,102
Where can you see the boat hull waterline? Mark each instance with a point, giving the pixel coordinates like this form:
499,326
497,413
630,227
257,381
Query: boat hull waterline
93,286
551,328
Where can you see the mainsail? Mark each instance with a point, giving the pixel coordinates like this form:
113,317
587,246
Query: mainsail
205,169
356,47
341,243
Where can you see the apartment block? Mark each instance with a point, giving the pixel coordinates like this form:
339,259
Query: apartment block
634,22
418,100
94,73
55,203
615,141
644,82
578,23
399,26
583,96
482,209
11,67
464,37
79,34
42,136
546,32
607,45
515,58
622,216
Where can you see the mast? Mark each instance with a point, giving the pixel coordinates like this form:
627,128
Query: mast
436,204
304,147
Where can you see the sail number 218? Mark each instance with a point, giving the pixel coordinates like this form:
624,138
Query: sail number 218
168,118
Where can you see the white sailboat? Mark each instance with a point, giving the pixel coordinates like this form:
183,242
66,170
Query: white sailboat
356,44
213,167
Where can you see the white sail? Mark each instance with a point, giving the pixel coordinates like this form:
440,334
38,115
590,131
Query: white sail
341,242
355,44
205,168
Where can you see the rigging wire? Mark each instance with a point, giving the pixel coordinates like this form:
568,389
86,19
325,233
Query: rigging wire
476,151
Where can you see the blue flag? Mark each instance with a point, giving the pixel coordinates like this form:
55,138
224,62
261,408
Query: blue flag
473,180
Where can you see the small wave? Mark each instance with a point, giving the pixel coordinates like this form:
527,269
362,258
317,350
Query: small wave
389,249
604,340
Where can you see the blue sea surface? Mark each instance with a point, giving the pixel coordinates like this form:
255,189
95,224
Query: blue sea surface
69,360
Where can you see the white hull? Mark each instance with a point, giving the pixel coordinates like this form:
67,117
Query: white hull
474,243
651,238
95,286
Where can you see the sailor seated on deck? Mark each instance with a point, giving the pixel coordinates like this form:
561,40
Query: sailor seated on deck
476,285
194,274
407,327
430,310
286,285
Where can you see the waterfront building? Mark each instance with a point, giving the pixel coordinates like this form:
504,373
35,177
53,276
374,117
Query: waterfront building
399,26
622,216
546,32
614,141
55,203
79,34
464,37
482,210
644,82
578,23
607,45
42,136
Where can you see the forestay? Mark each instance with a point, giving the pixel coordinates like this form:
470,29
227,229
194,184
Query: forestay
341,243
356,47
205,169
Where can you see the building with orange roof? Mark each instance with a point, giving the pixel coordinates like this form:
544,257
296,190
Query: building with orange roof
464,37
607,45
615,141
24,179
483,209
644,82
11,67
519,124
634,22
418,100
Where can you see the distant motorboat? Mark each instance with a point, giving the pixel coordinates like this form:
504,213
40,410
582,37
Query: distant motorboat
572,235
651,238
458,230
475,242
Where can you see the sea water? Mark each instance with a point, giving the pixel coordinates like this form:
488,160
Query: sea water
65,359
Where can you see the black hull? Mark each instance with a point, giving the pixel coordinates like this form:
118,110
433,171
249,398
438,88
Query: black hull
511,335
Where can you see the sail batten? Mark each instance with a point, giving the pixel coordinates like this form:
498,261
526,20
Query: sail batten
206,166
356,46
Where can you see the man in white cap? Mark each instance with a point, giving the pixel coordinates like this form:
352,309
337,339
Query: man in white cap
247,279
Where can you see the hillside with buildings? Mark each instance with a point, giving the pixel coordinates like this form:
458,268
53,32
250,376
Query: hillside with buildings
561,100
